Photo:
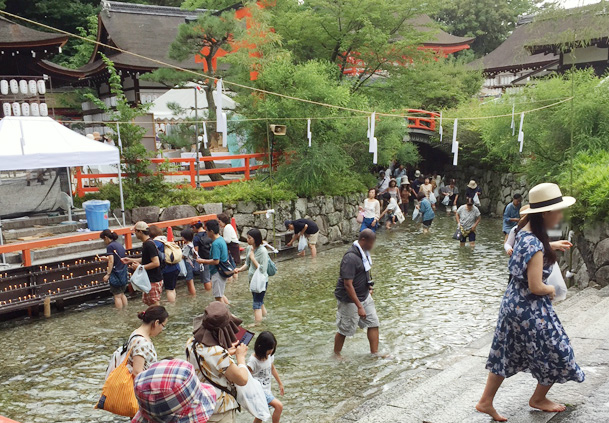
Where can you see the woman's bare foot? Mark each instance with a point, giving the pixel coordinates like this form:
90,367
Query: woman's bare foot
490,410
547,405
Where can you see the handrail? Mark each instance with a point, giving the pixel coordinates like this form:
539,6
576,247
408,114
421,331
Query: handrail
191,172
26,247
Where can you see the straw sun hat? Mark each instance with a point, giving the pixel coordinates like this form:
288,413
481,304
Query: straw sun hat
472,184
547,197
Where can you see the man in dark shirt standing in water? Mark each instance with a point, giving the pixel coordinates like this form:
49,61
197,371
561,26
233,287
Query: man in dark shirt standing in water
354,294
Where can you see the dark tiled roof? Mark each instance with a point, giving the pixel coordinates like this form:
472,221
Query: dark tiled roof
15,35
512,54
437,37
142,29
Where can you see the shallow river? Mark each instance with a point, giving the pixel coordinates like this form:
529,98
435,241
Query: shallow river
432,298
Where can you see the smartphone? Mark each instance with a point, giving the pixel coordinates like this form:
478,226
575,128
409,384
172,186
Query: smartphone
245,336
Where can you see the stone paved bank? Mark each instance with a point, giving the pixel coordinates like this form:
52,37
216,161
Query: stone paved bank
447,391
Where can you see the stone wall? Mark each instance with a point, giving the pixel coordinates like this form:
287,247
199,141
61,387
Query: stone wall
335,216
590,255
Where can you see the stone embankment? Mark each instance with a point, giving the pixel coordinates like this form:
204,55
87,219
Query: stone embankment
335,215
448,390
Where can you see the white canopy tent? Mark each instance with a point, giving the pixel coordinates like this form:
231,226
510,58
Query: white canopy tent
40,142
190,99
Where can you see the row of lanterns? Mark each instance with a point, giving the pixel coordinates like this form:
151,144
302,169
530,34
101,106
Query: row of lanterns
25,109
24,87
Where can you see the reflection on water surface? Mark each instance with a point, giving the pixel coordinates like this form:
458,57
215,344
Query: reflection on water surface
432,297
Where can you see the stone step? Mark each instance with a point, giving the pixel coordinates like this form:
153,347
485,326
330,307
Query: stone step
40,220
40,232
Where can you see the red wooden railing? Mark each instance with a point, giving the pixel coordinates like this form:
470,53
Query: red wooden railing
427,122
27,246
247,169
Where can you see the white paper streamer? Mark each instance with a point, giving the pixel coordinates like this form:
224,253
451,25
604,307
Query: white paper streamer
224,131
372,127
455,145
456,155
205,135
513,125
521,132
440,131
219,119
368,131
375,156
309,135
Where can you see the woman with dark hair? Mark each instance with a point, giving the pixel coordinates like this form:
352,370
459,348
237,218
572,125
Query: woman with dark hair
529,336
257,257
219,358
116,272
143,354
371,210
230,236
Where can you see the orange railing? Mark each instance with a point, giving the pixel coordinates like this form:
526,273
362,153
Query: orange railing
425,123
27,246
247,169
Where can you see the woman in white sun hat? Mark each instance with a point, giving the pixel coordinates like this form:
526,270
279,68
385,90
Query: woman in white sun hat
529,336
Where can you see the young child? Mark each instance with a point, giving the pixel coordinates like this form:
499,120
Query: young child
262,366
190,259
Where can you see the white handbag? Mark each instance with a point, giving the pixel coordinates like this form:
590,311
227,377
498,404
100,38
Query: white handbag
252,398
258,282
140,281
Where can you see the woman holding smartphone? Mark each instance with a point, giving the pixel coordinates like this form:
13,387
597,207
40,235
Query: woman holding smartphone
529,336
257,257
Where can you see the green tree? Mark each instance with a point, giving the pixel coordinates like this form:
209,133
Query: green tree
377,32
490,21
82,50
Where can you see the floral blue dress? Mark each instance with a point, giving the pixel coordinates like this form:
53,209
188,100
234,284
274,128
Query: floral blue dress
529,336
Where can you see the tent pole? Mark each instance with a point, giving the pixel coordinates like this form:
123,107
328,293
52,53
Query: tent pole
2,243
120,187
71,195
197,138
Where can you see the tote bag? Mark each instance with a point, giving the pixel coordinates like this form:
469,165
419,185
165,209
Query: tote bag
140,280
118,396
253,399
360,217
302,243
258,282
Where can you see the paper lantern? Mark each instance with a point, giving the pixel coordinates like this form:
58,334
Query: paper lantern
16,109
35,109
6,108
4,87
33,88
41,87
44,110
23,88
14,86
25,109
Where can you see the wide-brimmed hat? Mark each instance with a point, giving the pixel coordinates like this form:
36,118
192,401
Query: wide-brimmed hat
523,209
417,173
170,392
472,184
393,180
404,181
547,197
217,326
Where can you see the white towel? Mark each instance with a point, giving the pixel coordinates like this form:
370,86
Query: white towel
365,257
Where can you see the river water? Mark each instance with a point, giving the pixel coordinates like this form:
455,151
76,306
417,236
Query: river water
432,298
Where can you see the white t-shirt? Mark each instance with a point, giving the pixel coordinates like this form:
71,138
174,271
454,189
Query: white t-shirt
229,234
262,371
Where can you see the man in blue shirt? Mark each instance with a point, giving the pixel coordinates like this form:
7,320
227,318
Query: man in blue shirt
218,253
511,214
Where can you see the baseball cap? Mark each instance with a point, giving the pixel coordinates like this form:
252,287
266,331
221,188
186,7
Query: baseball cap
140,226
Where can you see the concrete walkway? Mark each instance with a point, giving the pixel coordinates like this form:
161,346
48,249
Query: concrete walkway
449,391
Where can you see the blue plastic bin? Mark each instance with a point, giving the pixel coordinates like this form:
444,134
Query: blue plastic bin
97,214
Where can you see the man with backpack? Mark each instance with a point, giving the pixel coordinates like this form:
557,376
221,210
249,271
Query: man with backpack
354,294
202,243
169,261
220,263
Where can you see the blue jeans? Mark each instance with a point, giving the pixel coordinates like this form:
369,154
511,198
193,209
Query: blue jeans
367,224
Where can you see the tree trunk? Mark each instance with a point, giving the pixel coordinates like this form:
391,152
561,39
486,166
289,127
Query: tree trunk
211,115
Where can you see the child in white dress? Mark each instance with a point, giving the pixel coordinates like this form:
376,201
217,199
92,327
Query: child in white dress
262,367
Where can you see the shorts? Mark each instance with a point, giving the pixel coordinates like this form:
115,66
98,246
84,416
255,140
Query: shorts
269,397
218,285
170,280
347,319
312,238
118,290
205,275
471,236
427,223
154,296
234,250
190,271
259,299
